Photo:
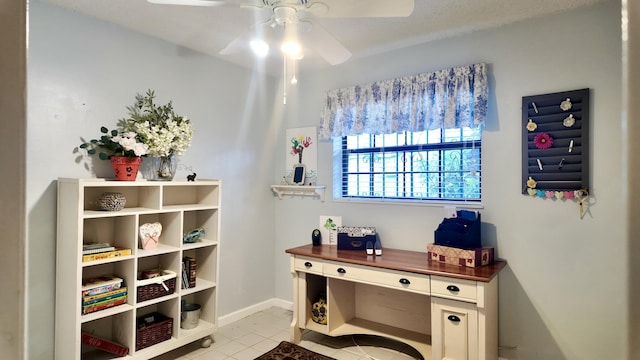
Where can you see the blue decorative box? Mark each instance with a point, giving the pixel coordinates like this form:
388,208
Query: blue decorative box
462,231
356,238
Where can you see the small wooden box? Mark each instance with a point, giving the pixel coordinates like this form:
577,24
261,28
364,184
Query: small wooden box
461,257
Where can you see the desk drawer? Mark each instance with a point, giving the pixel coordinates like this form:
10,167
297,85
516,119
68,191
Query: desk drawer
308,265
377,276
451,288
342,271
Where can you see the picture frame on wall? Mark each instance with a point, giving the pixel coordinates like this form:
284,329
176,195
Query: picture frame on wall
301,156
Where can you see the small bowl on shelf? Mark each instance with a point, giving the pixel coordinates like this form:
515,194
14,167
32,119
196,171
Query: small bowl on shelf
193,236
111,201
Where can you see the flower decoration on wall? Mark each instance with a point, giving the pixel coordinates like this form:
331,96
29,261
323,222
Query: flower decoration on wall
158,126
115,143
531,126
569,121
566,104
298,144
543,141
531,186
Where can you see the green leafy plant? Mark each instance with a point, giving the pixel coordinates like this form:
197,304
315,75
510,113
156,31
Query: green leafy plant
158,126
115,143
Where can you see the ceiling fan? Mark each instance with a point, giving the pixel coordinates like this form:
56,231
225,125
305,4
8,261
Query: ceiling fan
294,20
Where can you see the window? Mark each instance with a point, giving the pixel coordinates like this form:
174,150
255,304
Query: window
441,164
412,162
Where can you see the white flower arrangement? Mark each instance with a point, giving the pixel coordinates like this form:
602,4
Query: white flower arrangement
159,127
174,138
114,143
128,142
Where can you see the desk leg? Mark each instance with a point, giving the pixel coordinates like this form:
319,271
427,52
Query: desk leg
296,332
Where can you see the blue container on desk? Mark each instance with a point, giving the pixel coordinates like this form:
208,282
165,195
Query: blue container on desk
461,232
356,238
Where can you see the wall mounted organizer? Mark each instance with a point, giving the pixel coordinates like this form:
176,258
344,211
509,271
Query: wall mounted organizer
555,144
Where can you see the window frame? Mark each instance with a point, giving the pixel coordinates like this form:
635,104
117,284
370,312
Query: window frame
341,180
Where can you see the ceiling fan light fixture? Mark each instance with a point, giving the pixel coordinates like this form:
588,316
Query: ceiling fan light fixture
259,47
291,48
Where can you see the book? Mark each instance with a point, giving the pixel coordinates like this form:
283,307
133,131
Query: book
92,248
106,255
94,299
185,276
190,264
101,289
100,284
103,344
104,305
94,282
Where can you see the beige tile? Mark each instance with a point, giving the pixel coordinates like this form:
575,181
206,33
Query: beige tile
210,355
266,345
247,354
254,335
250,339
231,348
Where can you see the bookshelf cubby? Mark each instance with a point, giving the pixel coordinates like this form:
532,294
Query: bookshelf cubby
180,206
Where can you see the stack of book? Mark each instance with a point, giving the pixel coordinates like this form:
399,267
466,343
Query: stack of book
98,251
188,272
102,292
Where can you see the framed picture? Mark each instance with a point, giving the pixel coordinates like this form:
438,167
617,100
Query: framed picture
298,174
328,227
301,155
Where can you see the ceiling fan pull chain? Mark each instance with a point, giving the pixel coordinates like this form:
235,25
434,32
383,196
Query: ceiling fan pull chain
284,83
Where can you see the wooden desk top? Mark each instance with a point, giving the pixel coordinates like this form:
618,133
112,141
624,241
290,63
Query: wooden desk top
401,260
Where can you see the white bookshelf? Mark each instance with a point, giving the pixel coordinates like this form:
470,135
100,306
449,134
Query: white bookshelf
180,206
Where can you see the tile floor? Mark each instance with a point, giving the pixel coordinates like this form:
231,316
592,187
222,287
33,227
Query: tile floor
254,335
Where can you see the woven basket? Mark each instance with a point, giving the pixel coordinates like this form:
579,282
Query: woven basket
111,201
155,290
152,329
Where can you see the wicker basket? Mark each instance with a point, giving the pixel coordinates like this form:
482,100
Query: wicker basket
152,328
111,201
156,287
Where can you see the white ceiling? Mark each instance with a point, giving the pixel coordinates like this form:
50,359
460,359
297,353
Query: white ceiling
210,29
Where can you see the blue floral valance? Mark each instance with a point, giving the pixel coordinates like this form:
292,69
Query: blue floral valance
448,98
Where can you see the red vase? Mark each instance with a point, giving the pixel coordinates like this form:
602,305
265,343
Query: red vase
125,168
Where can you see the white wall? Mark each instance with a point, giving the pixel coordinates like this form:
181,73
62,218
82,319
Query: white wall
82,74
563,295
565,276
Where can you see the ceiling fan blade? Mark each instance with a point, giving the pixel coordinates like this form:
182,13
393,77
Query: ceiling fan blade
259,30
241,43
360,8
189,2
325,45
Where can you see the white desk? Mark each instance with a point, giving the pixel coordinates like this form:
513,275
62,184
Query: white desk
443,311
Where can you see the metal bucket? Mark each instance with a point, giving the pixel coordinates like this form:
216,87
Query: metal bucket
189,316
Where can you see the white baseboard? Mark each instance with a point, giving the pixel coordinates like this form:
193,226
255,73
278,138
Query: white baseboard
250,310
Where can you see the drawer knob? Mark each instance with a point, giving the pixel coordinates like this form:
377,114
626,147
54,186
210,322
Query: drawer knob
453,288
342,271
453,318
404,281
308,264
